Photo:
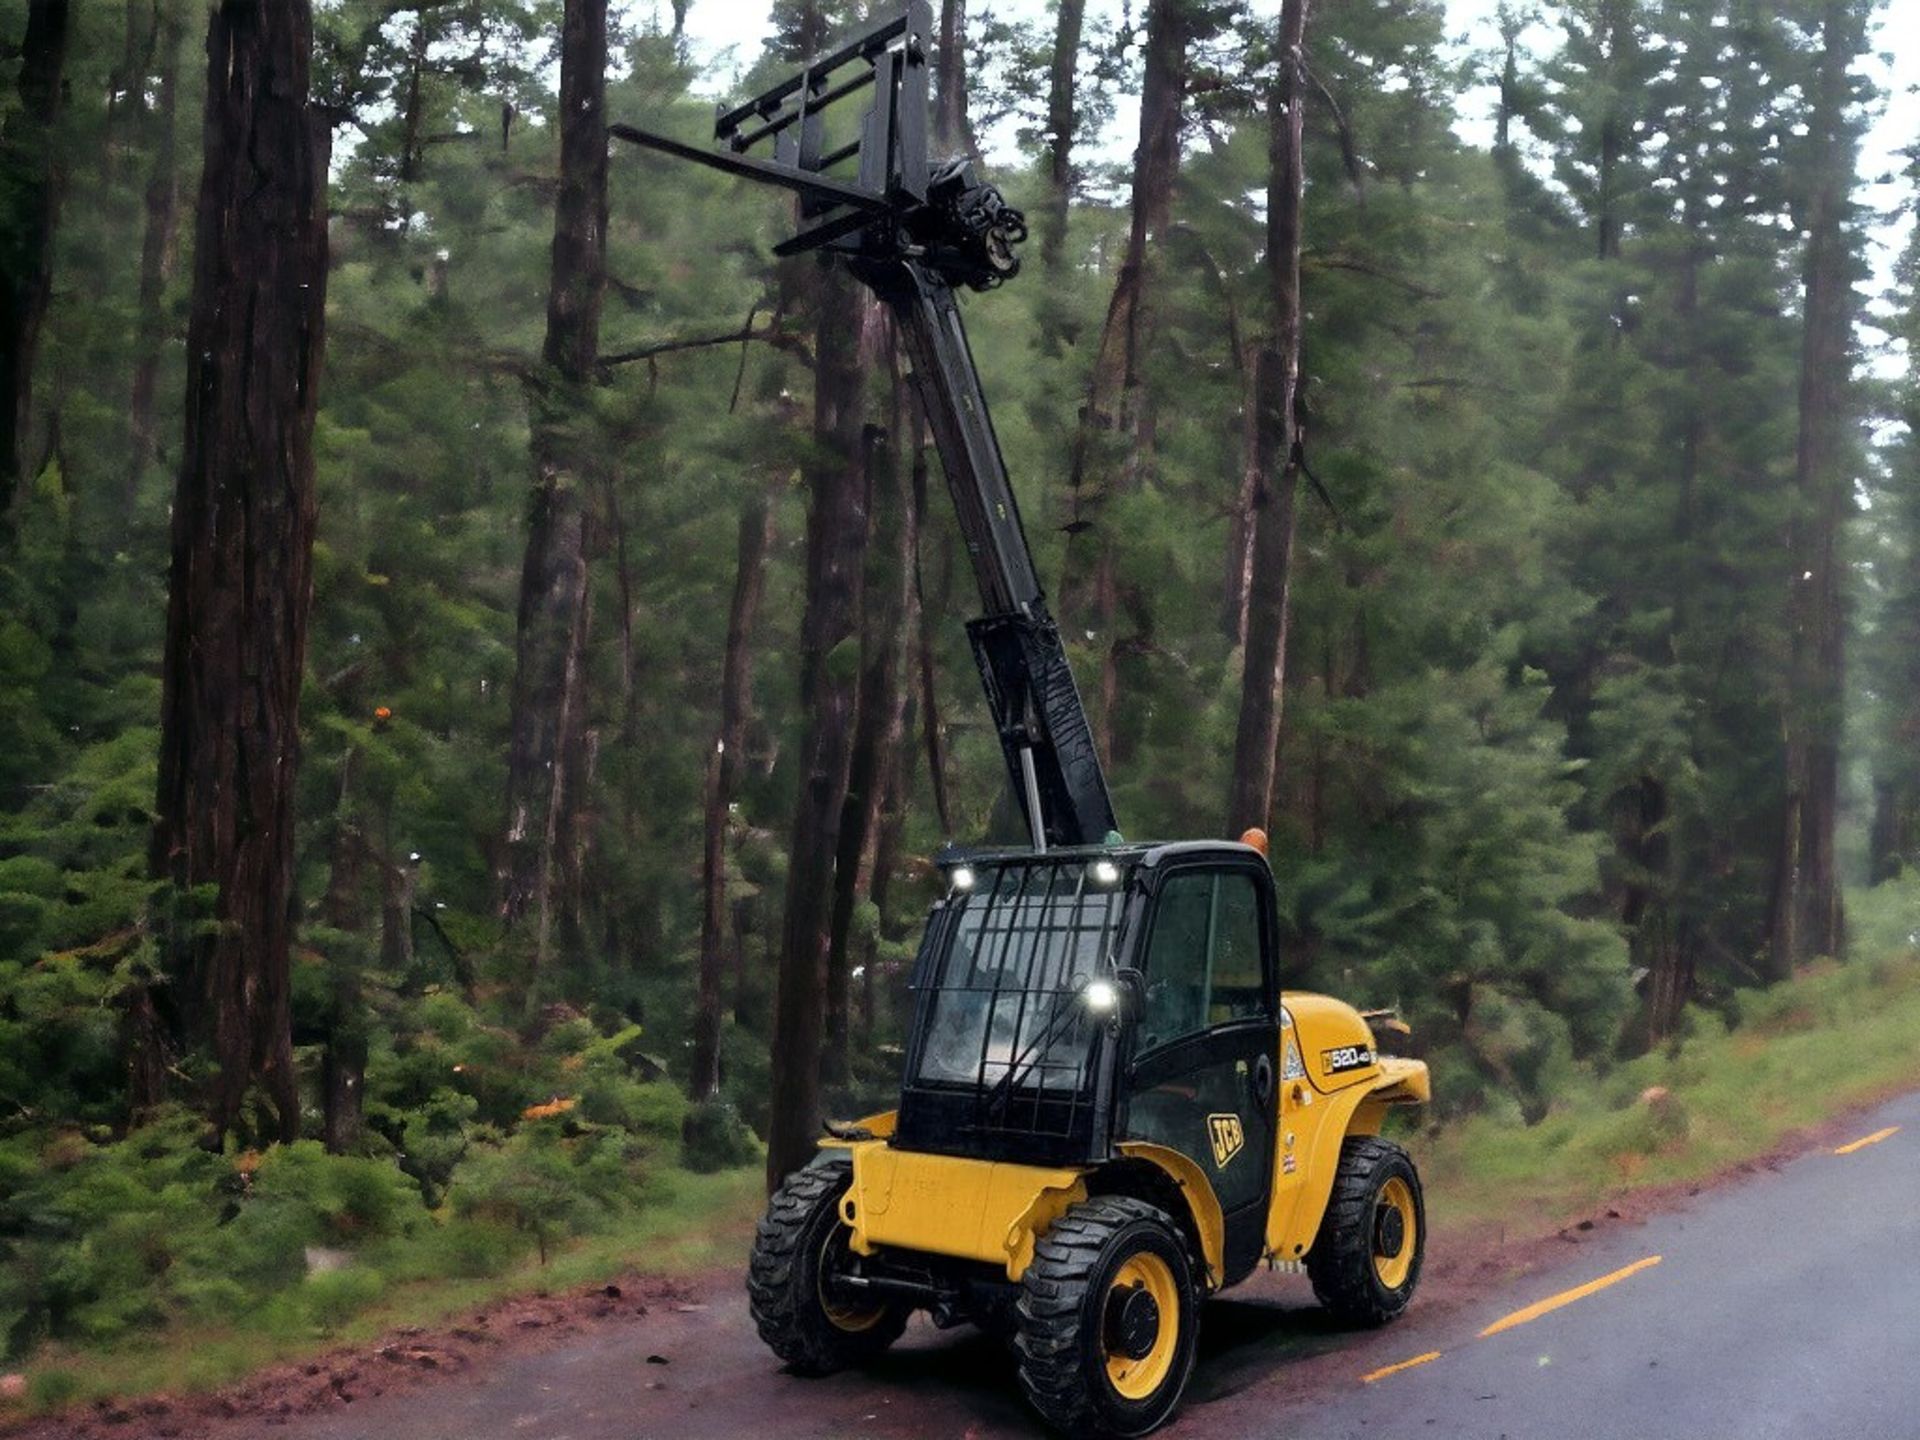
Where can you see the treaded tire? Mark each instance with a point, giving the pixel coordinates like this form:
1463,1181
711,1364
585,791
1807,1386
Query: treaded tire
1345,1263
783,1278
1061,1347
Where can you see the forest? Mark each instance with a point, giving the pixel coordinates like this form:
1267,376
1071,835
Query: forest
482,681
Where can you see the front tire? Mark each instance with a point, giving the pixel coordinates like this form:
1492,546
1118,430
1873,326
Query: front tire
1109,1319
1366,1259
798,1247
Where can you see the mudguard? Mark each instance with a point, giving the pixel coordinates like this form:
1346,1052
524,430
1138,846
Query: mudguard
1333,1084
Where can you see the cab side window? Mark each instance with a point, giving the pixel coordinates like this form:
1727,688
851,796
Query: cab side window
1177,961
1239,985
1203,963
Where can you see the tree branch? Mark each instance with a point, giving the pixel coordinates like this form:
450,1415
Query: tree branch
1368,268
771,334
1349,152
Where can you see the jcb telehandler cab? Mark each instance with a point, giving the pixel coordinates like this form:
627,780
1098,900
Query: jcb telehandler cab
1110,1109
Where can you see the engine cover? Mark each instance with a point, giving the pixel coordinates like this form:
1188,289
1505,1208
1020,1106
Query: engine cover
1335,1046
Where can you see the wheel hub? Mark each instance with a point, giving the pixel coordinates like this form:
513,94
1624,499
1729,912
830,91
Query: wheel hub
1389,1232
1133,1323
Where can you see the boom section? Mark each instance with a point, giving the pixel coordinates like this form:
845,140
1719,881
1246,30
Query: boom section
914,233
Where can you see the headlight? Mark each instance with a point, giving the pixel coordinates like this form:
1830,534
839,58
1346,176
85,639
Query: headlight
961,877
1101,996
1104,872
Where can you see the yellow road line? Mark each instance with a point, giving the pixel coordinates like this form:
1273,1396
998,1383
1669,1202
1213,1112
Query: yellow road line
1384,1371
1864,1141
1567,1297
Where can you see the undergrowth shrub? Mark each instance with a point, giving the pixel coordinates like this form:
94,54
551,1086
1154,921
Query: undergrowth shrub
483,1142
714,1137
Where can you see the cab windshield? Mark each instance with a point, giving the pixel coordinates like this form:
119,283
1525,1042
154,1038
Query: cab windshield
1006,1009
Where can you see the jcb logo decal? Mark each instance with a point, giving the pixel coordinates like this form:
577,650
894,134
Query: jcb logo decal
1228,1138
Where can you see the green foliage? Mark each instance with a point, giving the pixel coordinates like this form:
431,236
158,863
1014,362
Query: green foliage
1714,1098
329,1299
52,1389
1886,919
102,1237
348,1199
552,1178
106,1237
714,1138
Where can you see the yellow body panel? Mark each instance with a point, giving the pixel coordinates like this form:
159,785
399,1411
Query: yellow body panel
1336,1047
949,1205
1326,1094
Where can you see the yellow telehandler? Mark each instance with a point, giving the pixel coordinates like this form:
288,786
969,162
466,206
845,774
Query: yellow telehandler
1110,1108
1110,1111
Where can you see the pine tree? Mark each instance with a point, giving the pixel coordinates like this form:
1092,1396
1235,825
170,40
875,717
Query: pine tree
241,579
547,765
847,326
30,178
1890,648
1807,915
1269,528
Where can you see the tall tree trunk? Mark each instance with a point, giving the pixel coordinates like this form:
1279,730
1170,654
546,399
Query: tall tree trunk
1238,589
1513,24
924,646
723,776
829,686
412,114
157,252
1661,940
1113,447
1806,918
1891,835
889,836
243,522
30,179
126,80
1063,124
343,1055
952,130
875,724
1263,678
1622,48
548,751
1642,835
902,743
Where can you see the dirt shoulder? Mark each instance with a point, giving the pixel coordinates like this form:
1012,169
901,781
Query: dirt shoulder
407,1359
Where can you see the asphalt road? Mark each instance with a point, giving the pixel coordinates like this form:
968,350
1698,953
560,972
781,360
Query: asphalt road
1787,1304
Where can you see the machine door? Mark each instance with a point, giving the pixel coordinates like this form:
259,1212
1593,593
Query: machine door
1202,1080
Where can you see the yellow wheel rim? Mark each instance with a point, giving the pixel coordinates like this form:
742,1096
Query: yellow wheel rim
1396,1233
852,1318
1137,1378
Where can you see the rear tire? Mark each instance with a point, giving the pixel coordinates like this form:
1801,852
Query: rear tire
1366,1259
1109,1319
800,1242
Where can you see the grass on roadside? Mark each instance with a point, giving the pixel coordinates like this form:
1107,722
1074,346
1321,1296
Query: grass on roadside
1830,1039
691,1222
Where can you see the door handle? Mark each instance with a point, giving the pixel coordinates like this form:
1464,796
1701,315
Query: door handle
1262,1079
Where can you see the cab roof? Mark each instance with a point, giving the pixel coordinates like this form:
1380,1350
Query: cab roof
1129,853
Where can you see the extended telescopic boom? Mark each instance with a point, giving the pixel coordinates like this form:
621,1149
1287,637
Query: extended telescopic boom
913,232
